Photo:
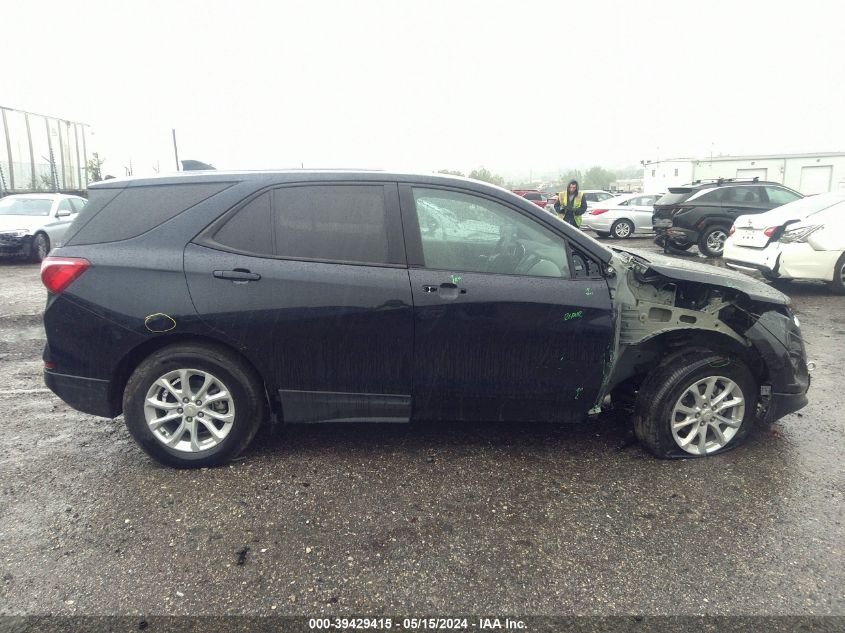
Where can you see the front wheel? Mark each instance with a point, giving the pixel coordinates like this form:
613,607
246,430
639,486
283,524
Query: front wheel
838,283
40,247
712,241
697,403
190,406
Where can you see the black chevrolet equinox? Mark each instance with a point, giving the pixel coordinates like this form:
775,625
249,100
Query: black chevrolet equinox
202,304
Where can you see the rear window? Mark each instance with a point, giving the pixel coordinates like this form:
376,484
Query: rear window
673,198
112,215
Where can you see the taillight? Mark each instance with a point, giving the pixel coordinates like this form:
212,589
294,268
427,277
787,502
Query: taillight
732,230
770,231
598,211
57,273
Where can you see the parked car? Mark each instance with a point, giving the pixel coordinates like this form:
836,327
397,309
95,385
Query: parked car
534,195
702,213
368,296
622,216
31,224
801,240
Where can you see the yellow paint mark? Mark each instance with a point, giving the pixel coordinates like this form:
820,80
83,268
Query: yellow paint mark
166,323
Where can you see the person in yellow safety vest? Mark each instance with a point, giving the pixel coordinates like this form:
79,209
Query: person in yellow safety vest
571,205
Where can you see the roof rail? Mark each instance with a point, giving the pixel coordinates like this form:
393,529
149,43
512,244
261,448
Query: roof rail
720,181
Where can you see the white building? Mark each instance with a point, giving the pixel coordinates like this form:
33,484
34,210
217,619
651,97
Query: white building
807,173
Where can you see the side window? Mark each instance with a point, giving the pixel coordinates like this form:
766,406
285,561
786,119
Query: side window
465,233
635,202
250,229
603,196
743,195
713,196
64,205
778,196
78,204
342,223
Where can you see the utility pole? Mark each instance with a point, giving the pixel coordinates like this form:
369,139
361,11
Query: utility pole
175,149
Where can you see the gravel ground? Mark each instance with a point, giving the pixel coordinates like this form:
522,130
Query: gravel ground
418,520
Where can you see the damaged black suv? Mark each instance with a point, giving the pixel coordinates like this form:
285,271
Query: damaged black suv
203,304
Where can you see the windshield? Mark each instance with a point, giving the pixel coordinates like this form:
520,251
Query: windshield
25,206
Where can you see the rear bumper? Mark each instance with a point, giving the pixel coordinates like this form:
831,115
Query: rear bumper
682,235
747,258
88,395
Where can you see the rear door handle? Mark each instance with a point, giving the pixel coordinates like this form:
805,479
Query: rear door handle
238,274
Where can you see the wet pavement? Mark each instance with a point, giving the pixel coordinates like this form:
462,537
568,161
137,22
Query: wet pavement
435,518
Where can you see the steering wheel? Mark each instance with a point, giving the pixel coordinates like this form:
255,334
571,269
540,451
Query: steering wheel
510,254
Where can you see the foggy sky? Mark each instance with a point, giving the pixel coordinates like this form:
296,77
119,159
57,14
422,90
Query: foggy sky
517,87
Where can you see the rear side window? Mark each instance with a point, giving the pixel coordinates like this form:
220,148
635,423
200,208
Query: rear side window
343,223
250,230
135,210
780,196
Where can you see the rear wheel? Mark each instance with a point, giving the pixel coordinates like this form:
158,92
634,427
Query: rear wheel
712,241
838,283
622,229
697,403
190,406
40,247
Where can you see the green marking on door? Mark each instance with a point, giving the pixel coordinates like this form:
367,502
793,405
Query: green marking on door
589,292
578,392
456,279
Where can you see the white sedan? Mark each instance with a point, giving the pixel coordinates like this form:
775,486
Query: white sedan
622,216
804,239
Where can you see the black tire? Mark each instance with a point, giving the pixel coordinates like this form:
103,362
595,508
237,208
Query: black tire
603,234
672,245
838,283
40,247
711,242
669,381
247,395
625,227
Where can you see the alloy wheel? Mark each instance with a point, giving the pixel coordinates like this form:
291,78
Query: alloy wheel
708,415
189,410
623,229
716,241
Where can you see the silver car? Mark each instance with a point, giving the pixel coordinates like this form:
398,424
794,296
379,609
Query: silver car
622,216
31,224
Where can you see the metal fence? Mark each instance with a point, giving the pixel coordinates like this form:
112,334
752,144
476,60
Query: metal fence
41,153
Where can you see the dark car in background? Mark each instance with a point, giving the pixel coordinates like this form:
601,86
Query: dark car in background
199,305
703,212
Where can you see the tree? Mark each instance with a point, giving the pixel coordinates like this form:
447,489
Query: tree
597,178
451,172
487,176
95,168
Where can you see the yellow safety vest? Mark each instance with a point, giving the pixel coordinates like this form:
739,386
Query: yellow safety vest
563,198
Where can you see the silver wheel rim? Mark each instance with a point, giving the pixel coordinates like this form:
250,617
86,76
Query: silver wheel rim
708,415
842,274
623,229
189,410
716,241
41,245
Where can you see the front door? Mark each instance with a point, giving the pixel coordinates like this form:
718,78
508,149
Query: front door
510,323
310,283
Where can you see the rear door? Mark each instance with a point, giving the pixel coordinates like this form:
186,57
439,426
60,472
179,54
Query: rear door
310,281
510,322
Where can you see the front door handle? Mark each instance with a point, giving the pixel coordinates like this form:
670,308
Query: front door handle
238,274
